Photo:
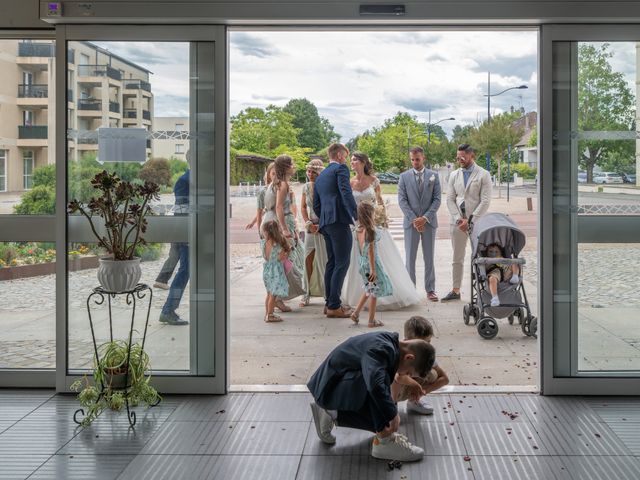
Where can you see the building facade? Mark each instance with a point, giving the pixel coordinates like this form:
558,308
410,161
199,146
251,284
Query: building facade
172,138
103,90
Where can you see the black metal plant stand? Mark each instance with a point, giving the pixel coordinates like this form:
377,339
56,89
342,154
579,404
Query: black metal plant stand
98,295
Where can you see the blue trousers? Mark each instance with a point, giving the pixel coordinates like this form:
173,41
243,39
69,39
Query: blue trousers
338,240
179,281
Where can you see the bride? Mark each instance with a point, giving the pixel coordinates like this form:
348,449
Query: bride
366,188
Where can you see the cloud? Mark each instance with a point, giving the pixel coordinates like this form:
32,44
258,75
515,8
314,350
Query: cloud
414,38
171,105
521,67
435,57
253,45
363,67
270,98
343,104
417,103
148,54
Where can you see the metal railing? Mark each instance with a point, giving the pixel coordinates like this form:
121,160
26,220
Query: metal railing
86,104
71,56
130,113
99,71
30,49
33,90
146,114
114,107
133,84
32,132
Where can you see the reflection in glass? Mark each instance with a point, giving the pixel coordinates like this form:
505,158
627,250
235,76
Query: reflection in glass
27,310
608,303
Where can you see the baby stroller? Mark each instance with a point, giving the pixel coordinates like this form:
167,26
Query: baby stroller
497,228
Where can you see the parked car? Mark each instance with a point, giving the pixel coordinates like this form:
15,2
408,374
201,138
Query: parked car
386,177
582,177
629,178
607,177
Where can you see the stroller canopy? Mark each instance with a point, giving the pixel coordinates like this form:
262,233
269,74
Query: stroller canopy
496,228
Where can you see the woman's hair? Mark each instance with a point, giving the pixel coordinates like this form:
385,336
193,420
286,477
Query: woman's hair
364,158
267,176
282,164
366,220
271,231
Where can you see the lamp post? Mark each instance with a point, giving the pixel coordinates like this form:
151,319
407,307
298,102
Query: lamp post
489,95
430,124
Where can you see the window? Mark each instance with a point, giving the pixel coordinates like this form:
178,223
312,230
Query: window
27,175
3,170
179,127
180,148
27,118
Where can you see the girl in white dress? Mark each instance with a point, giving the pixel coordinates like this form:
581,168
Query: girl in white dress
366,188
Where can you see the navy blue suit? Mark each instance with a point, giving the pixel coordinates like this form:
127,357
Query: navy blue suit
335,206
355,379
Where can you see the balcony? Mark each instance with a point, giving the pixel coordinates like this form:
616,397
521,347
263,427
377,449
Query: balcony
130,113
137,85
146,114
33,90
29,49
69,95
114,107
90,104
32,132
99,71
71,56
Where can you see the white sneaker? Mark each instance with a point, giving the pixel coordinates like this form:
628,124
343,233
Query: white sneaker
515,279
495,302
397,448
421,406
324,424
163,286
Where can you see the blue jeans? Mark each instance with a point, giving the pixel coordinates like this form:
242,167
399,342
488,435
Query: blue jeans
179,281
169,264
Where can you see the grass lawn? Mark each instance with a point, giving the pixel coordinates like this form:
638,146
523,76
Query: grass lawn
389,188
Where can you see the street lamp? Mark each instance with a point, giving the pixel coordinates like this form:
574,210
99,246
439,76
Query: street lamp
430,124
489,95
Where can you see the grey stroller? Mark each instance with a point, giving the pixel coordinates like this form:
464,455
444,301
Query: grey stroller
501,229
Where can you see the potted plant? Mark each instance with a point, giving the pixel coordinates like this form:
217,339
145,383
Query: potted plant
123,207
116,381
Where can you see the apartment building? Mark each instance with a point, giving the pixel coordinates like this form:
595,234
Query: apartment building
103,90
172,139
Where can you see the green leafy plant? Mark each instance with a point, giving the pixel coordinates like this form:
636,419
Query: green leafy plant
108,373
123,206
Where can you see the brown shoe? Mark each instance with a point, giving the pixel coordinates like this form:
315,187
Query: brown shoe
340,312
433,296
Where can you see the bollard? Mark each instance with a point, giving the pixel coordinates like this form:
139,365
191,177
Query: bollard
529,204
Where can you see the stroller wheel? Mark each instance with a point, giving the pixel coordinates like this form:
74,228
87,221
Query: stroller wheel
466,313
475,313
533,327
487,328
510,319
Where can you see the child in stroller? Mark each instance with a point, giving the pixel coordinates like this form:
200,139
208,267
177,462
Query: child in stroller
498,272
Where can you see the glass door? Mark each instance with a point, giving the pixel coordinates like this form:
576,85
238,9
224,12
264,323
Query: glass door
590,189
148,104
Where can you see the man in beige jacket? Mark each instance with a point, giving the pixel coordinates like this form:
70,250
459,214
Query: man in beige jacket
468,198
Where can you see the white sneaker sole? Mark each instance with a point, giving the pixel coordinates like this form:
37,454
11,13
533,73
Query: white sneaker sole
329,439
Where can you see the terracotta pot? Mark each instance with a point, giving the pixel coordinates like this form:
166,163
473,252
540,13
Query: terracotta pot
119,275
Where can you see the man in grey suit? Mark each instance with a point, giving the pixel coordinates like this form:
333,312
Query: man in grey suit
419,199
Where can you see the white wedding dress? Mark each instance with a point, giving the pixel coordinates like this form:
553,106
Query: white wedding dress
404,291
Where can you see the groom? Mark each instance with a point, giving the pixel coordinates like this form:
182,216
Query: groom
335,206
419,199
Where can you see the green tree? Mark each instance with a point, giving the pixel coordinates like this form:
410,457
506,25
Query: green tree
156,170
314,132
261,131
40,200
605,103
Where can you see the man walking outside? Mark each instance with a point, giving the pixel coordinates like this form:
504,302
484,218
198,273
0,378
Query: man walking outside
468,198
335,206
419,200
179,283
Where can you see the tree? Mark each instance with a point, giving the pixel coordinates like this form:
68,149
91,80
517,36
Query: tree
156,170
262,131
605,103
315,132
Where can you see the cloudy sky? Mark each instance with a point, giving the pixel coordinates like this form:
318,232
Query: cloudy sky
358,79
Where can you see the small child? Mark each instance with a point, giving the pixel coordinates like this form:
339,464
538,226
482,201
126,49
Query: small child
376,282
275,251
497,272
410,388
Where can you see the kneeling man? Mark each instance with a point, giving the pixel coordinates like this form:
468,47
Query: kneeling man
352,388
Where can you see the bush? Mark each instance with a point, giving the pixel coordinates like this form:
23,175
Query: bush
177,166
522,169
8,253
156,170
45,176
40,200
148,252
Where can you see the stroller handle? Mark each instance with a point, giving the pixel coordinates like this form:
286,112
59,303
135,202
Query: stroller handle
494,260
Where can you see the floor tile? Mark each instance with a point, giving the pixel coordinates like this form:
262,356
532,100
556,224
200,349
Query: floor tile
266,438
602,468
517,438
558,409
519,467
437,438
81,467
443,410
349,442
280,407
20,466
222,408
487,408
617,409
36,437
189,438
628,433
562,438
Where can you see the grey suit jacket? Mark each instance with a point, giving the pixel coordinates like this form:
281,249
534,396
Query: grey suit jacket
414,203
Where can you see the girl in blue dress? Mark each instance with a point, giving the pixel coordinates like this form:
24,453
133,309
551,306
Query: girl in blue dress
375,280
275,252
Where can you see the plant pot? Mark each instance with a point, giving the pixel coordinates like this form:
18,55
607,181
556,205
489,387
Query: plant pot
115,381
119,275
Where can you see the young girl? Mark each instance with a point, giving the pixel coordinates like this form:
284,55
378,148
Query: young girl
275,251
499,272
376,282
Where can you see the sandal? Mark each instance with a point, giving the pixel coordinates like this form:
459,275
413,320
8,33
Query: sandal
283,307
272,318
305,301
355,317
375,323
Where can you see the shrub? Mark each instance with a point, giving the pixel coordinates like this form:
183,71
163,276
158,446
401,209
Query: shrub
45,176
177,166
40,200
156,170
148,252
